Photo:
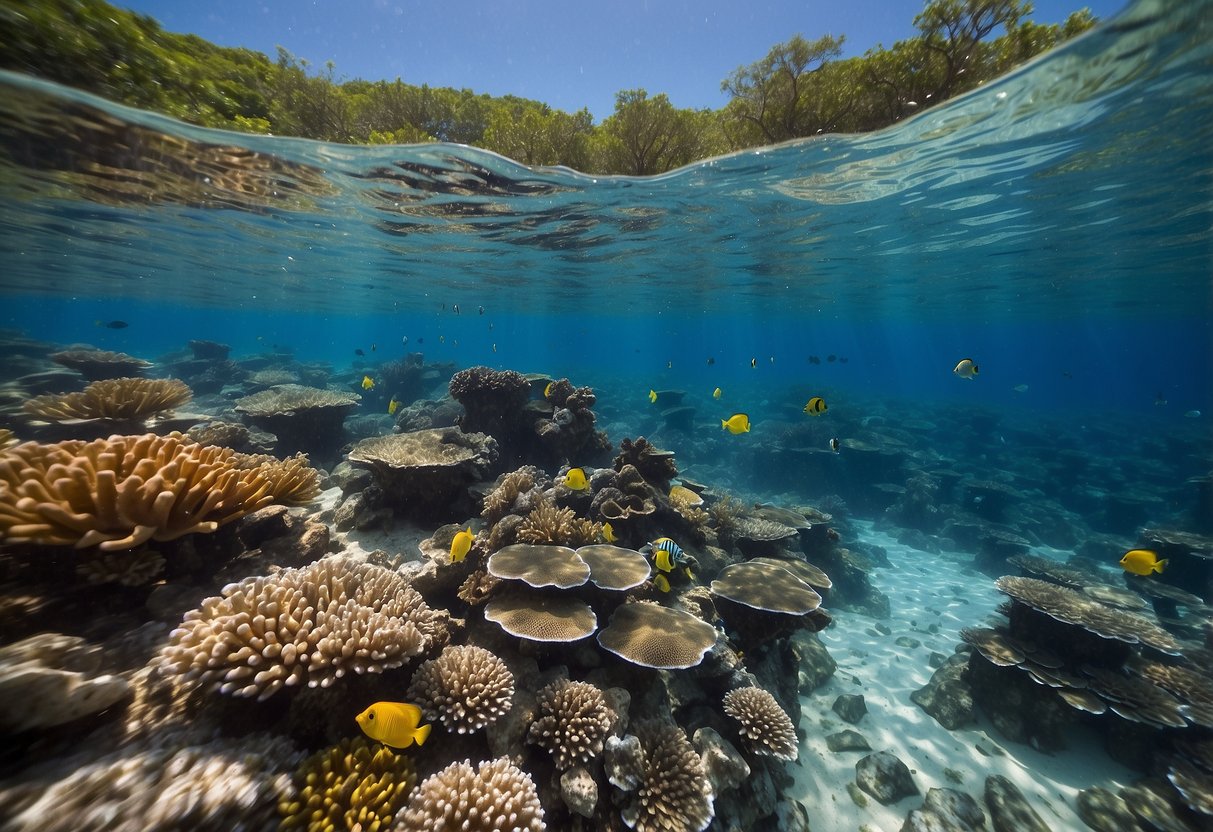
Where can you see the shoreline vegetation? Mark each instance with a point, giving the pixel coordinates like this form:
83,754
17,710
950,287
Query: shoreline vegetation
800,88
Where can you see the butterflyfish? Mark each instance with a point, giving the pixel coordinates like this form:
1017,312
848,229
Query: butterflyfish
662,583
368,383
392,406
834,444
575,479
608,533
1142,562
965,368
652,396
397,724
716,394
461,545
666,554
816,406
737,423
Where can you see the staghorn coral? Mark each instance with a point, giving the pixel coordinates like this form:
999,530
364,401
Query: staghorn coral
497,796
136,567
766,728
573,722
120,492
499,501
465,688
128,399
347,786
666,786
309,625
100,364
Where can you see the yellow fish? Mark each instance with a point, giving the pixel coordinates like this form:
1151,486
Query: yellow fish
392,406
652,396
737,423
368,383
666,554
575,479
1142,562
397,724
547,391
816,406
716,394
965,368
662,583
461,545
608,533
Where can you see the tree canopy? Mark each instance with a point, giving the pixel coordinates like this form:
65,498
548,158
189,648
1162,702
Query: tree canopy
800,88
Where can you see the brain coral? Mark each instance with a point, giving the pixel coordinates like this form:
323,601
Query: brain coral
465,688
302,626
496,797
119,492
573,723
666,785
348,786
767,729
115,398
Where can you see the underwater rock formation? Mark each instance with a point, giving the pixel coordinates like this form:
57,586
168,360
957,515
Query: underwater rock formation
96,365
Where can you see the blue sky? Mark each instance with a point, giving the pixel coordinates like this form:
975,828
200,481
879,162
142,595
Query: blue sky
566,53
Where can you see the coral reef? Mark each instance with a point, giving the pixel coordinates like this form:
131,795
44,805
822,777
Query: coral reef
548,524
497,796
465,689
541,617
501,500
308,419
96,365
650,635
764,726
655,465
492,401
302,626
615,568
539,566
350,785
573,722
117,399
664,784
134,567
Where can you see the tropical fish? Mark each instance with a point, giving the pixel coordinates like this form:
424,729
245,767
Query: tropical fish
374,347
816,406
392,406
1020,388
690,575
753,363
711,361
481,310
455,308
397,724
662,582
1142,562
1192,414
716,394
368,383
666,554
461,545
669,365
653,396
814,359
843,360
737,423
359,352
608,533
547,391
772,359
965,368
404,340
441,339
831,358
834,444
494,348
112,324
575,479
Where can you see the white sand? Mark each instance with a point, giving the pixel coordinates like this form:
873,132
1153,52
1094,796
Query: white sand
886,674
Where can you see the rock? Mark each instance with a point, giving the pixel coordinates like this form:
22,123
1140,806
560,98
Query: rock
791,816
907,642
1103,811
884,777
946,810
507,736
1009,809
579,791
262,525
39,690
936,660
816,665
947,697
847,740
350,479
850,706
725,766
619,700
883,629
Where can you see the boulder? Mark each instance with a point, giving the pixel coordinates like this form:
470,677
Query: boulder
884,777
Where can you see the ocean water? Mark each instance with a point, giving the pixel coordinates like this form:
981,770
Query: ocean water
1053,226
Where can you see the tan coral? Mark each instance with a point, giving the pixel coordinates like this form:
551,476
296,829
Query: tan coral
766,727
650,635
465,689
573,722
766,586
497,796
302,626
120,492
541,617
287,399
7,439
499,501
550,525
293,481
347,786
539,565
127,399
614,567
665,784
100,364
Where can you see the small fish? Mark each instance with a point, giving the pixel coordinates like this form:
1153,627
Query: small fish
716,394
814,359
1020,388
455,343
735,424
490,326
816,406
834,444
608,533
1192,414
392,406
1066,374
662,582
666,554
481,310
420,341
687,571
404,340
368,383
112,324
575,479
455,308
753,363
831,358
397,724
547,391
494,348
461,545
772,359
653,396
1142,562
441,339
669,365
374,347
711,361
965,368
359,352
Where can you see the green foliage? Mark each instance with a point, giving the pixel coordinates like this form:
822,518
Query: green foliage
800,88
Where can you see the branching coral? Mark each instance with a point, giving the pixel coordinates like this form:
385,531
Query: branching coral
549,524
293,481
120,492
350,785
495,797
767,729
302,626
116,398
665,782
500,500
465,688
573,722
